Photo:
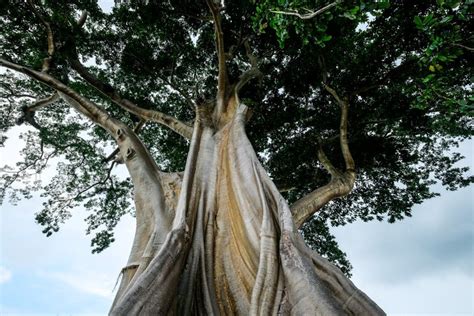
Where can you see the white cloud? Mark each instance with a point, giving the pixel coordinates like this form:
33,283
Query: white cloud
106,5
5,275
424,264
89,283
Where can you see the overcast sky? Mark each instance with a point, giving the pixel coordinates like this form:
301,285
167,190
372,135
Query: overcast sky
422,265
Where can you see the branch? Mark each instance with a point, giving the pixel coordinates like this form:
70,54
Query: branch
39,164
464,46
47,60
117,150
250,74
86,107
309,15
221,56
324,160
13,94
145,114
68,200
346,153
334,94
82,19
29,111
42,102
341,183
344,104
305,207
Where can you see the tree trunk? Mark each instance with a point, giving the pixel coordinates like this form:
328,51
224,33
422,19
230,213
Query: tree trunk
220,239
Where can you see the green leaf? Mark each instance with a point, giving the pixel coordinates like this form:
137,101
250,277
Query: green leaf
442,58
418,22
349,15
446,19
453,3
427,20
428,78
326,38
384,4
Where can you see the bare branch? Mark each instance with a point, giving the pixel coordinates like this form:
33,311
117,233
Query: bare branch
47,25
29,111
117,150
464,46
82,19
333,93
305,207
309,15
221,56
83,105
43,102
341,183
145,114
324,160
250,74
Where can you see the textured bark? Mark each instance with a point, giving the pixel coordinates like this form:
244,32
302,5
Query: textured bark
232,248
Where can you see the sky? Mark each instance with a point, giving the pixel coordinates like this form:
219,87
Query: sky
420,266
423,265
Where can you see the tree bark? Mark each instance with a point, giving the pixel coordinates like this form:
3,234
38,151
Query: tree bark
233,247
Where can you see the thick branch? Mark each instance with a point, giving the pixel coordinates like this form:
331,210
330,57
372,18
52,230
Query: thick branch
29,111
309,15
341,183
346,153
344,104
47,25
305,207
221,56
327,164
145,114
82,19
42,103
334,94
117,150
86,107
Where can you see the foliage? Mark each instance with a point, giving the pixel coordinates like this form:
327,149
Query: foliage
404,66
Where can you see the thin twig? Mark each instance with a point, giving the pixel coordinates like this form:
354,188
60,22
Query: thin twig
307,16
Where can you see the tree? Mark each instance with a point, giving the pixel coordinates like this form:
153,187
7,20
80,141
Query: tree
138,87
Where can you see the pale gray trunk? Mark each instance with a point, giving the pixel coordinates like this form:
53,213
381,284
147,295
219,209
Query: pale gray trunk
224,241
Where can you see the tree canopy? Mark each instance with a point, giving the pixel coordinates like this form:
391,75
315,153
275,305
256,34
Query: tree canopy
405,68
